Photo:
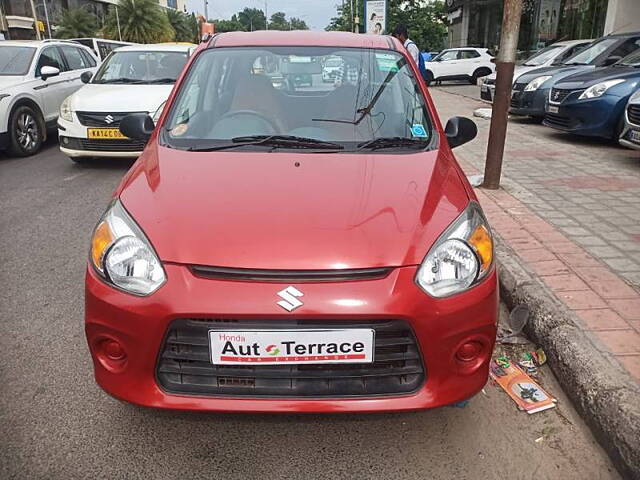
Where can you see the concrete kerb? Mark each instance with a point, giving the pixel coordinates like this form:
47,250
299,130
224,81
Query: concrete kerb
607,397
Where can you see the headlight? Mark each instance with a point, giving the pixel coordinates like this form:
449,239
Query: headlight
535,84
635,96
461,257
123,256
156,116
65,110
598,89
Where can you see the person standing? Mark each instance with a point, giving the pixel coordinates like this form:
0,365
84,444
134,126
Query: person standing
402,34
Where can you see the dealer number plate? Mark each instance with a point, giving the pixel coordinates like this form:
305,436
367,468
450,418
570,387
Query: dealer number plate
552,109
104,133
271,347
634,136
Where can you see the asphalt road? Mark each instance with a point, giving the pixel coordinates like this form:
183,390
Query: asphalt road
57,424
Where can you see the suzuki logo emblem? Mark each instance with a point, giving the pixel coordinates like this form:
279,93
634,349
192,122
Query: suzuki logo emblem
556,95
289,301
109,119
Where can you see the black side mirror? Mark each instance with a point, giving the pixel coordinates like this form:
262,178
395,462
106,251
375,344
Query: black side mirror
460,130
138,126
86,77
611,60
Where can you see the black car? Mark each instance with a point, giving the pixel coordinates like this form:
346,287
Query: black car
531,90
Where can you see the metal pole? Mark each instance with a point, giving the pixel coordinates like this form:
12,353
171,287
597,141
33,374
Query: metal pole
505,63
46,16
118,22
35,20
266,16
353,25
206,13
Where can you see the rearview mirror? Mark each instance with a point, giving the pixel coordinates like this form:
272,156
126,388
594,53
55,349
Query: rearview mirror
138,126
86,77
611,60
47,72
460,130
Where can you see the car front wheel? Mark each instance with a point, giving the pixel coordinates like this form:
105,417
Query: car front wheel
26,131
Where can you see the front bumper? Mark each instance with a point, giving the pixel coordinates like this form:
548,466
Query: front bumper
487,92
596,117
4,140
74,143
630,135
440,326
529,103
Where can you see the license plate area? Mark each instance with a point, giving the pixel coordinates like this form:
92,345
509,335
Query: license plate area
634,136
291,347
552,109
104,134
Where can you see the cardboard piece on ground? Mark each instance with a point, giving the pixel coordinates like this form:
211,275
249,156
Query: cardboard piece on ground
527,394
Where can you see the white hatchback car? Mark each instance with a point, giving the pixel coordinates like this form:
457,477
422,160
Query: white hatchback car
468,63
132,79
35,77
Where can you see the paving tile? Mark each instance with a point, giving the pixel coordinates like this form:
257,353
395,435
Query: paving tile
620,341
563,247
536,255
582,299
602,319
565,282
631,363
549,267
622,264
628,308
605,283
575,260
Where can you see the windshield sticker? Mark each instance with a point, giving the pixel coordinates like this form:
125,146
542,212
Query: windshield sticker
418,130
179,129
387,62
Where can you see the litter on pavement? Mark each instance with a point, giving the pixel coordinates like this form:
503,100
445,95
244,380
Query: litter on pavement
518,319
482,113
528,395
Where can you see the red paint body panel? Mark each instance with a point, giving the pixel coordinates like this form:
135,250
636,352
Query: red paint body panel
258,210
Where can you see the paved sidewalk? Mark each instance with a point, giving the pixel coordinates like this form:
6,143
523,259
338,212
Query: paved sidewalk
570,208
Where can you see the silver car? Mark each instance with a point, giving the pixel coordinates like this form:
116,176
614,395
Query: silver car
630,136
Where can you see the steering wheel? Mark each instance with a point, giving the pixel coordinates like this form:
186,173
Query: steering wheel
238,113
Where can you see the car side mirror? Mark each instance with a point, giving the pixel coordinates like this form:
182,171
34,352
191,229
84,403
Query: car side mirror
86,77
48,71
138,126
460,130
611,60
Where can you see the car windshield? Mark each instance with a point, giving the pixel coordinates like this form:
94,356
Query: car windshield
589,54
542,56
141,67
282,97
631,60
15,60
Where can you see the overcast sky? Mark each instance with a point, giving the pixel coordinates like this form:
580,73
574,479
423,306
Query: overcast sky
316,13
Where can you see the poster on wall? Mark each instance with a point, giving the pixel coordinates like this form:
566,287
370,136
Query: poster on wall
375,12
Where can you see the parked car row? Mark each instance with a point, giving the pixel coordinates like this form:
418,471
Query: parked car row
65,84
593,92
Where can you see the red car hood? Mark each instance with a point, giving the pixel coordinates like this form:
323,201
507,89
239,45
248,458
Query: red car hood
292,211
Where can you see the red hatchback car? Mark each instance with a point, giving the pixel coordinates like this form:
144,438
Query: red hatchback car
288,246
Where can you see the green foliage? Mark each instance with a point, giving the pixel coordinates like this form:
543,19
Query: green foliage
194,27
232,25
77,23
252,19
298,24
141,21
279,21
180,22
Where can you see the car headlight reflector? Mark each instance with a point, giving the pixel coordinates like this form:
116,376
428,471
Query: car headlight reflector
122,255
599,89
460,257
65,110
535,84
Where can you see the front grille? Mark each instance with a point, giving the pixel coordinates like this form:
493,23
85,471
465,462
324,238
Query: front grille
558,121
290,276
115,145
516,94
99,119
559,95
633,114
490,81
184,365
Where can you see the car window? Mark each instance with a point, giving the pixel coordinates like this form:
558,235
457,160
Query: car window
15,60
372,95
105,48
468,54
75,60
542,56
593,51
50,57
88,59
447,55
627,47
141,67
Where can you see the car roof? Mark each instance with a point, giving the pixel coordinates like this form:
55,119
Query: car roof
23,43
572,42
468,48
303,38
157,47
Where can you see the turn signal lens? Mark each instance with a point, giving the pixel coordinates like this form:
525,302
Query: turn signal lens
481,241
102,238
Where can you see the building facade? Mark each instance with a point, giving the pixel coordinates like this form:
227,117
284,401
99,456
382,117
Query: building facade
478,22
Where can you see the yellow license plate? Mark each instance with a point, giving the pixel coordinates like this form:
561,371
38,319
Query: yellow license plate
104,133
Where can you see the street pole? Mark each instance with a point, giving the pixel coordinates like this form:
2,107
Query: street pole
266,16
118,22
505,63
46,16
35,20
206,13
353,25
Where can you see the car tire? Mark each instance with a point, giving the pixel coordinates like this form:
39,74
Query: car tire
481,72
26,131
80,160
428,78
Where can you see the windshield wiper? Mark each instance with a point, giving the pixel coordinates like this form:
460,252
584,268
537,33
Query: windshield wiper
119,80
161,80
572,64
391,142
287,141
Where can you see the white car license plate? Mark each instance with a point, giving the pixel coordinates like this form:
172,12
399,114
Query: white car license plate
634,136
552,109
484,88
271,347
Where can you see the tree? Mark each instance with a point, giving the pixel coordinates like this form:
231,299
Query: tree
194,27
232,25
342,21
141,21
298,24
77,23
180,23
252,19
279,22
